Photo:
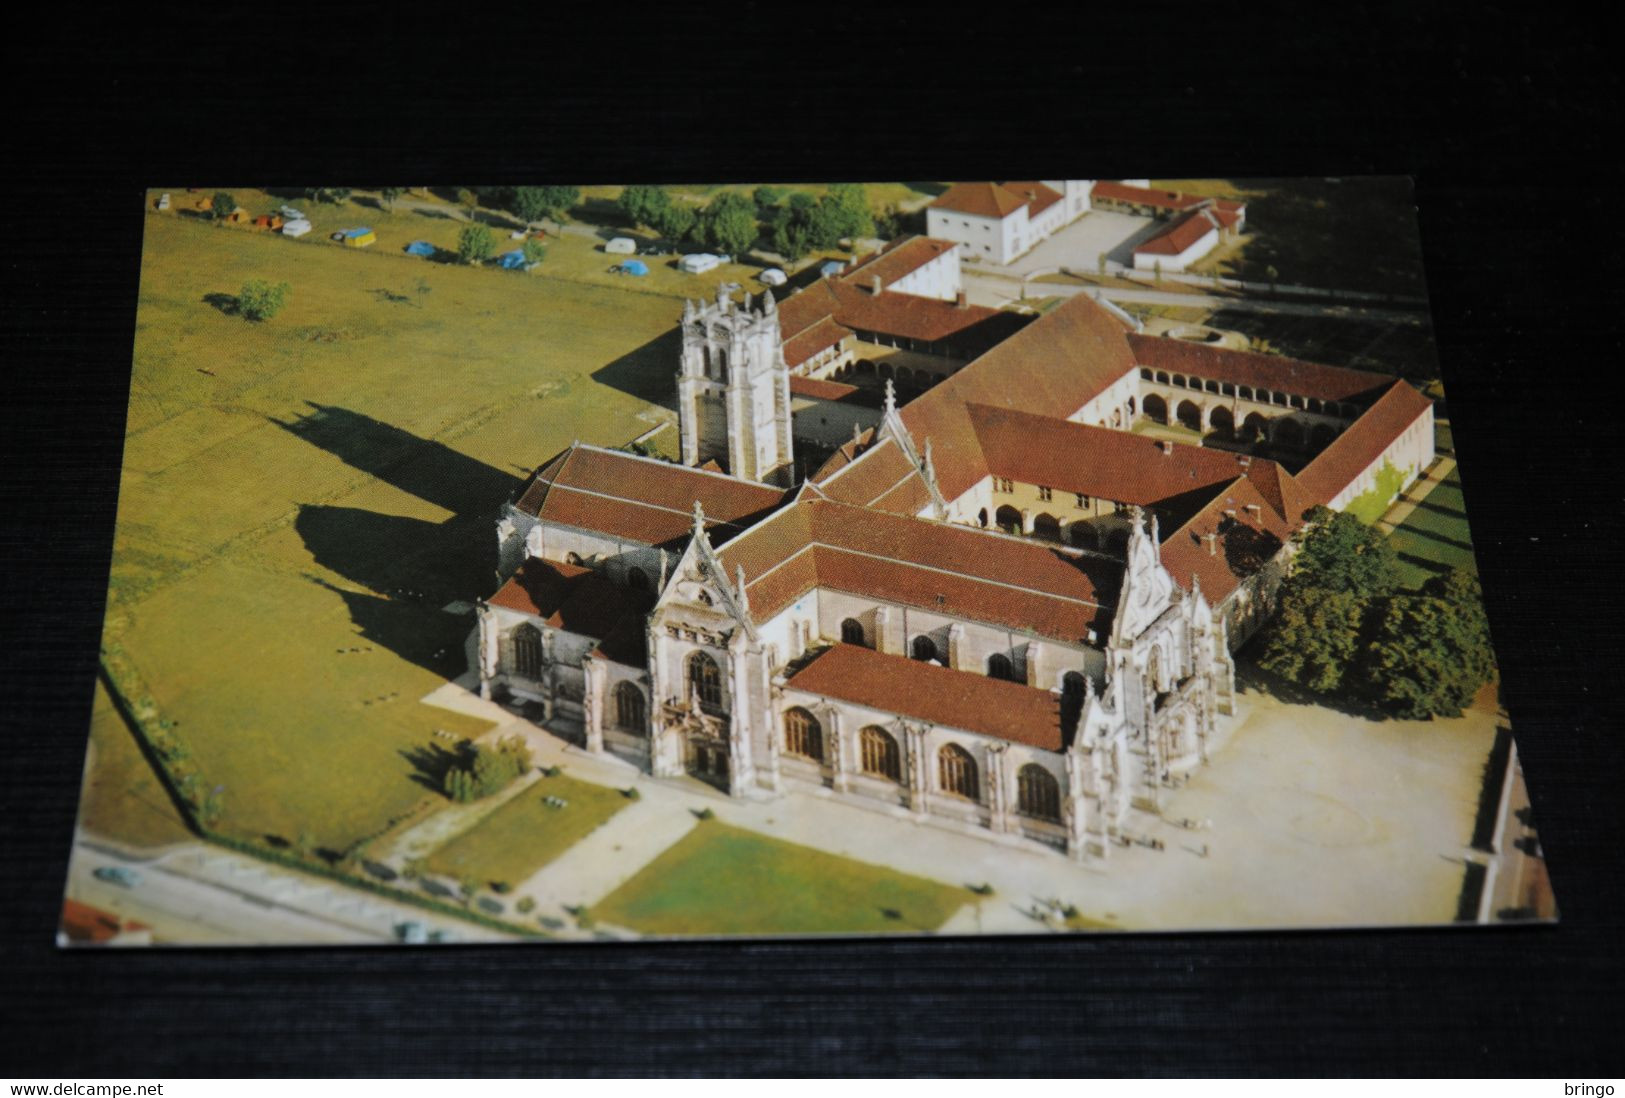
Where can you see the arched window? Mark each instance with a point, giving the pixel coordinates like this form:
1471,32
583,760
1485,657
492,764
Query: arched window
631,713
1221,420
1008,519
852,632
923,649
1071,703
572,558
1190,415
956,772
1047,526
705,680
803,735
527,651
1155,408
981,517
637,579
999,667
880,755
1038,794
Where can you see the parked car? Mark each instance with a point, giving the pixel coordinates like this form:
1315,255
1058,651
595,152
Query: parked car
117,874
772,277
411,932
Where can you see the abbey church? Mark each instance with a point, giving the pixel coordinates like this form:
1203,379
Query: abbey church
941,560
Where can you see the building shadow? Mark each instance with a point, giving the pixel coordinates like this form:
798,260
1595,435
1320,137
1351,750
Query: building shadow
422,467
649,372
413,630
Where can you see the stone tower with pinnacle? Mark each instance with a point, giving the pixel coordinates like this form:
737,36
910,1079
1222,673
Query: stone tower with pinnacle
733,388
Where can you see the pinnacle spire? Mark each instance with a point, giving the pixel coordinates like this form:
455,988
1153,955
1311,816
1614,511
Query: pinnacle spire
891,397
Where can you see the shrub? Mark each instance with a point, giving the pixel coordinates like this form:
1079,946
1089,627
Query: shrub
260,300
526,905
706,814
476,244
489,770
631,793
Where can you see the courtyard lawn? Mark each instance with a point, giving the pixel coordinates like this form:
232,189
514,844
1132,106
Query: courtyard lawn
1435,538
327,480
527,833
724,880
123,798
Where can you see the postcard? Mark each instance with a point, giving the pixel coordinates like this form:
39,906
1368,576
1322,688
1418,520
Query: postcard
584,563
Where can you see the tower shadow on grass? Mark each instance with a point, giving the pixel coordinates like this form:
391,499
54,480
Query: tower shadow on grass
648,372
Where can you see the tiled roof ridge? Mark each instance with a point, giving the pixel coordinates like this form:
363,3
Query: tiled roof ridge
663,464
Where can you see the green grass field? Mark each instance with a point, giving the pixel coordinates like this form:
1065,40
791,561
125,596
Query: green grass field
526,833
326,481
1435,537
123,798
723,880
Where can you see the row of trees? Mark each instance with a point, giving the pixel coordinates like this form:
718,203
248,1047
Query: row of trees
486,770
731,223
1347,627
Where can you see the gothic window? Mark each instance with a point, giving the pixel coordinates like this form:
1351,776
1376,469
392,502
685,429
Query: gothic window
705,680
527,651
880,755
923,649
802,735
999,667
956,772
1038,794
852,632
630,711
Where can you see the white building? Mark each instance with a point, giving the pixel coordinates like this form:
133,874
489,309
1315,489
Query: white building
996,222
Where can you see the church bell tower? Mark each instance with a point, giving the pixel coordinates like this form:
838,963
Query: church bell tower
733,389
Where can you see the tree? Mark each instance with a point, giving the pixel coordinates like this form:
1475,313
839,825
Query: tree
729,223
476,244
789,238
533,251
331,195
766,198
644,204
221,205
677,223
389,195
1432,652
853,203
534,204
260,300
469,201
1338,552
1315,640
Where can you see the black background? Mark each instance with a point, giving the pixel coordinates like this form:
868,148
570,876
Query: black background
1504,116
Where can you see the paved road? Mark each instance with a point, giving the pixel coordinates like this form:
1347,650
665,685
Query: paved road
196,894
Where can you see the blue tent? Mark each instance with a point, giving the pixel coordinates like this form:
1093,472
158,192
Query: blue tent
831,267
420,247
635,267
512,261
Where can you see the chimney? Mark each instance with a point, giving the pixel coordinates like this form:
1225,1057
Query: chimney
959,300
1212,544
1230,513
1244,461
874,285
1165,446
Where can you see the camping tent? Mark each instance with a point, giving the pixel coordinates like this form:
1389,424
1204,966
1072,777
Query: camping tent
698,263
297,227
512,261
358,238
831,267
420,247
635,267
622,245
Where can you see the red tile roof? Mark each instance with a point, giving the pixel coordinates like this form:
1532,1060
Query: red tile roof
807,342
1241,543
941,695
641,499
1039,196
1145,196
830,309
876,472
1286,375
955,570
836,391
1179,234
1098,461
1352,452
581,601
980,200
83,923
1053,367
896,260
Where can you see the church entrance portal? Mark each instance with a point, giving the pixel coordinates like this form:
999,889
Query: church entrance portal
708,761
